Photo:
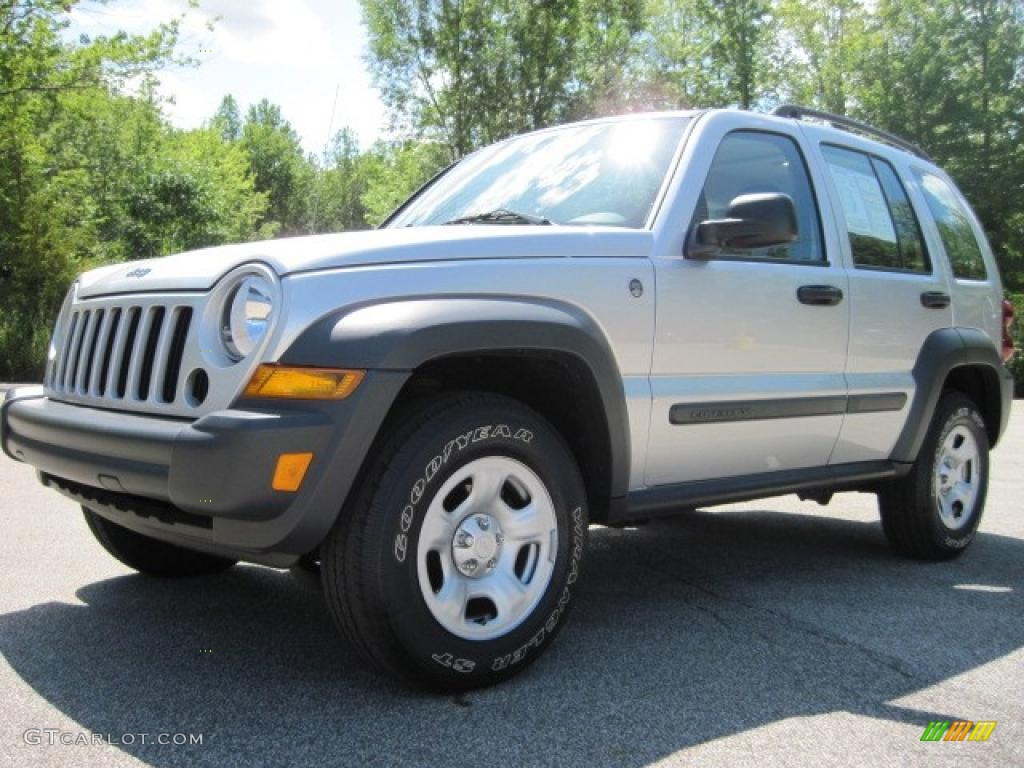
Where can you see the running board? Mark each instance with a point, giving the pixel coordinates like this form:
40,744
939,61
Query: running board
669,499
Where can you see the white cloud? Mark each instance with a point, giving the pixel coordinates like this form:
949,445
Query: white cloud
294,53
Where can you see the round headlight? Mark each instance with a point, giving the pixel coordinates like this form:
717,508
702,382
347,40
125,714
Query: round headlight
247,314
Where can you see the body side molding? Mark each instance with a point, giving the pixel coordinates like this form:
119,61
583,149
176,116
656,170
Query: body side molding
784,408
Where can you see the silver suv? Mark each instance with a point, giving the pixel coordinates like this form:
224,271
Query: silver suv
601,322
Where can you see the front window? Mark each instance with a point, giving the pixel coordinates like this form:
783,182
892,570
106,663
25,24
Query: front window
754,162
605,173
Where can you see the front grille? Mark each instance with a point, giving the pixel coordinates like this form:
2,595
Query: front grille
122,353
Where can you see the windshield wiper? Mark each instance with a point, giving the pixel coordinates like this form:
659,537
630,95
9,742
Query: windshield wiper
501,216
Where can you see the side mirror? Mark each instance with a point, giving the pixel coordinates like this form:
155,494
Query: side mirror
752,221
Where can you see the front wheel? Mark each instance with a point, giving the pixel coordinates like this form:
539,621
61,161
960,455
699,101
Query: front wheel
455,565
933,513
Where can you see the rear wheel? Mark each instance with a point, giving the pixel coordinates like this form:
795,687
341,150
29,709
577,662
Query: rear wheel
453,567
933,513
150,556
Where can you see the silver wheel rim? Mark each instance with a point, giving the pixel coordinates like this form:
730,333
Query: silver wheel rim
487,548
957,477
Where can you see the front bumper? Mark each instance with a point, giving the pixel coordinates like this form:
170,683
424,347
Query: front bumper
210,478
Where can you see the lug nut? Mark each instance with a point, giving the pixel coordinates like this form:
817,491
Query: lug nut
465,540
468,567
499,538
483,522
491,564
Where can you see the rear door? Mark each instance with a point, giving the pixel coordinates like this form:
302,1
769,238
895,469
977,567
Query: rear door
746,378
899,293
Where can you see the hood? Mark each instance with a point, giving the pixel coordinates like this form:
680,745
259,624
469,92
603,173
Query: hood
199,270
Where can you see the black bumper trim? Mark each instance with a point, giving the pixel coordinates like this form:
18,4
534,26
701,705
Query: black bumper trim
162,521
149,509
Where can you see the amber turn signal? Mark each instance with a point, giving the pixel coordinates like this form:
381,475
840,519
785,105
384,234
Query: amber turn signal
290,471
303,383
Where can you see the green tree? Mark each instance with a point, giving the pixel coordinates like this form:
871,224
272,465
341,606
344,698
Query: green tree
278,166
607,56
199,193
339,187
228,119
989,44
469,72
825,46
396,170
710,52
56,181
743,33
90,173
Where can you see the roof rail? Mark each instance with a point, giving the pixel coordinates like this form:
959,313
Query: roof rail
848,123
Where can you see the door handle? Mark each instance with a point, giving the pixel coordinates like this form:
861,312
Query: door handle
819,295
935,299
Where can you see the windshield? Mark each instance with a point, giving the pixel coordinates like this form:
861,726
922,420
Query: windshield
600,173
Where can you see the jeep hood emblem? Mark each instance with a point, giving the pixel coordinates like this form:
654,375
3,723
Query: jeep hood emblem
140,272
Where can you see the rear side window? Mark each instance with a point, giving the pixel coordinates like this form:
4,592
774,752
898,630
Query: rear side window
750,162
883,231
954,226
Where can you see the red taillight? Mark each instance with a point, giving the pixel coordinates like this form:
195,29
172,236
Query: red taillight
1007,330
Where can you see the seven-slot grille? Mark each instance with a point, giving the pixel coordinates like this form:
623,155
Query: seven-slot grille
117,353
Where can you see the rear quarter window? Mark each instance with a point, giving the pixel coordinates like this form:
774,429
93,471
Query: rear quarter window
954,225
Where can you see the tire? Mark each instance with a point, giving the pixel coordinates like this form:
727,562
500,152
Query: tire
150,556
453,566
920,519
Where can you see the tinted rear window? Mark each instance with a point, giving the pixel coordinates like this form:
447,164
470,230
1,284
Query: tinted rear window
880,222
954,224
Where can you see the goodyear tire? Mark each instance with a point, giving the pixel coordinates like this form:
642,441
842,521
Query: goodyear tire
933,513
456,562
149,556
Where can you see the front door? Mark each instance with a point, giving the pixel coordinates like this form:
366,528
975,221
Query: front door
747,372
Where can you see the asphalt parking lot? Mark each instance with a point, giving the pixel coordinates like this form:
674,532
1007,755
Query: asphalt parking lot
771,633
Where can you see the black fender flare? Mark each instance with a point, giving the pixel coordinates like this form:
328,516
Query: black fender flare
405,333
943,351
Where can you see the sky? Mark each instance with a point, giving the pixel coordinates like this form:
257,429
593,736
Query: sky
296,53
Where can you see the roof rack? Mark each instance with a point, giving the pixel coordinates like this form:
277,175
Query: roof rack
848,123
